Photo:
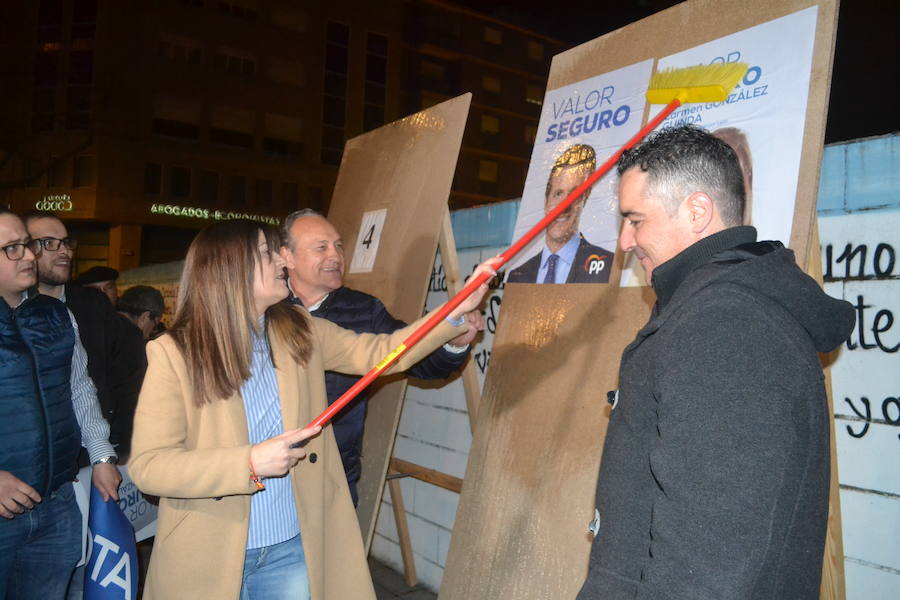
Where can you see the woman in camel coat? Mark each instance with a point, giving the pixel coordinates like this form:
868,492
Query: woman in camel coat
194,430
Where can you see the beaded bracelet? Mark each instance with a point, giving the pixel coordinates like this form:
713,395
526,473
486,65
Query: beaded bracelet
255,478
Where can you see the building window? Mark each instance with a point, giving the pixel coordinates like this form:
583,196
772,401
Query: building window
279,147
33,172
490,124
182,51
228,61
43,102
50,17
81,68
376,81
245,10
152,178
264,193
535,50
43,109
290,196
234,139
237,190
176,129
180,182
56,173
82,171
490,83
487,171
493,36
78,94
337,48
46,68
315,198
84,19
534,95
78,107
332,145
208,187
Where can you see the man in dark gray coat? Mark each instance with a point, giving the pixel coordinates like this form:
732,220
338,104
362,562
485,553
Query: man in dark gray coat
715,473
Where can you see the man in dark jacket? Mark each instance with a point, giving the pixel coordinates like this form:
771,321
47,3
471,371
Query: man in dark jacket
102,279
715,473
142,307
314,255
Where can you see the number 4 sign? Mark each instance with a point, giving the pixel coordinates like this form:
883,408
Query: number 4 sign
367,241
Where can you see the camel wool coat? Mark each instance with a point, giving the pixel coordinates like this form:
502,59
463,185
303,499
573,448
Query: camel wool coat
197,460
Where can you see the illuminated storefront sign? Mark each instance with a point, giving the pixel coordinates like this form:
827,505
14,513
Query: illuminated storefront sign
194,212
55,203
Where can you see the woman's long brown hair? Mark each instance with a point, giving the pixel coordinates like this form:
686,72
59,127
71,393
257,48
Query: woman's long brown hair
214,318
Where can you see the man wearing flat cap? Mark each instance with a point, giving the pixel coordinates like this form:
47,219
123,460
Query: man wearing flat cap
102,279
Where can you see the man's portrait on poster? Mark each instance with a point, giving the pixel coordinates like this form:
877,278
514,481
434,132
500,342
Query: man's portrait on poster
566,255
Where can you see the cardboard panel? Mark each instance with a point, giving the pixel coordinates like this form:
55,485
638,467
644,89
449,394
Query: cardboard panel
404,169
528,494
522,525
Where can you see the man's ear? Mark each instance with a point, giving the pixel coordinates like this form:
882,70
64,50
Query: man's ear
288,257
701,210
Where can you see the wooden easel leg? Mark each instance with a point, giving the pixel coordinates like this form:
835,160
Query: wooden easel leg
406,551
455,282
833,587
471,387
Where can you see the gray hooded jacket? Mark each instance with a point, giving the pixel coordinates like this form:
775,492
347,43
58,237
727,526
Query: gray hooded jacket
715,472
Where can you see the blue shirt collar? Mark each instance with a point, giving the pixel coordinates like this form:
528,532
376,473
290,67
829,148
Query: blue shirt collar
565,254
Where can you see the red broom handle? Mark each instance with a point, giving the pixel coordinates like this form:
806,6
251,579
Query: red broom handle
476,281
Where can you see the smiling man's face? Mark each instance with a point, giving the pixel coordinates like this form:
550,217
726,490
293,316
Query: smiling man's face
647,229
315,261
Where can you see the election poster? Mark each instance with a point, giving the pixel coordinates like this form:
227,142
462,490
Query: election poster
581,126
137,508
762,119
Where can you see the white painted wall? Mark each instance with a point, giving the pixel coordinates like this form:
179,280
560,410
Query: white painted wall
434,433
866,384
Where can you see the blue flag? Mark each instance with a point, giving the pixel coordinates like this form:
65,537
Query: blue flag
112,566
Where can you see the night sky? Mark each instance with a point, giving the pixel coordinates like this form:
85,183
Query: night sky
866,64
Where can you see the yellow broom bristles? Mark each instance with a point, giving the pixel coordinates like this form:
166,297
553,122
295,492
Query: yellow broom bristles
709,83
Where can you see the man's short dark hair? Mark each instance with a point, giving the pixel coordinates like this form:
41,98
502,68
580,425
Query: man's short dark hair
33,215
682,160
286,238
140,299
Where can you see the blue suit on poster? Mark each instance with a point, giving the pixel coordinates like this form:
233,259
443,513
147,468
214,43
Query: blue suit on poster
112,566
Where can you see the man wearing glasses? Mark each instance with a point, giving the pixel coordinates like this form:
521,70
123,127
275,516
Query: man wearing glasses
48,408
100,327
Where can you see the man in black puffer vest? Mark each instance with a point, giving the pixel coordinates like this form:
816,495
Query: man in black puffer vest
48,408
715,473
313,251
